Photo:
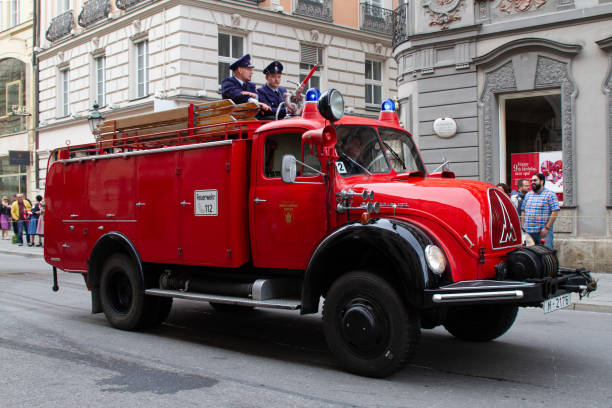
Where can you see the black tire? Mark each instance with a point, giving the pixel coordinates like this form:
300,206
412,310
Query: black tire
480,322
227,308
123,299
367,326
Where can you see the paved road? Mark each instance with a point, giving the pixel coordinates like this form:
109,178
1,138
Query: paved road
53,352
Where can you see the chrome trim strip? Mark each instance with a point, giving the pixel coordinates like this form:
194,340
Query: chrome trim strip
81,221
500,285
286,304
150,151
55,259
474,296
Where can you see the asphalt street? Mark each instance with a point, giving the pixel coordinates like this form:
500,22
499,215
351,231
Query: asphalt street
55,353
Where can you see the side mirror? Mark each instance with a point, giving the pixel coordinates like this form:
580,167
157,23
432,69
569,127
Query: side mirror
289,169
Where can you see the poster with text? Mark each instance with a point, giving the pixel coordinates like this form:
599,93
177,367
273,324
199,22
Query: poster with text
523,165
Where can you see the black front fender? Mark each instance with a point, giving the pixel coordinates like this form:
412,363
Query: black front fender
391,248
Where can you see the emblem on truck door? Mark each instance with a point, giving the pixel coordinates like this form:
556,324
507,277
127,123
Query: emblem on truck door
507,231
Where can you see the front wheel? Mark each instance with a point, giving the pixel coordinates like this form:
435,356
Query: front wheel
480,322
367,326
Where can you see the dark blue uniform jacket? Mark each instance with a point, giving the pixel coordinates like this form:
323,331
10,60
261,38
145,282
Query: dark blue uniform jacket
231,88
272,98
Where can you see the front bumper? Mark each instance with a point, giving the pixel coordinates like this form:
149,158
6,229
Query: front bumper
531,292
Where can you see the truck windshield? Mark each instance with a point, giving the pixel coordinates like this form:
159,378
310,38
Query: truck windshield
401,151
360,152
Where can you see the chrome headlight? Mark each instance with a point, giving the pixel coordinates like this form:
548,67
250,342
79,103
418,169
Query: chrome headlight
435,259
331,105
527,240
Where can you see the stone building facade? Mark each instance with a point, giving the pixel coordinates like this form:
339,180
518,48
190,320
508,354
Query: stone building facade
517,76
138,56
17,96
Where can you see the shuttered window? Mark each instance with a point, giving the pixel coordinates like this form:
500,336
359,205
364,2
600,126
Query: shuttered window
309,56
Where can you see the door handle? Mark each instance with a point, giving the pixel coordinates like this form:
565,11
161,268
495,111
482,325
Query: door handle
185,203
139,204
259,200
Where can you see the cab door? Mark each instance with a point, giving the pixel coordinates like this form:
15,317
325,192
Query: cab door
287,220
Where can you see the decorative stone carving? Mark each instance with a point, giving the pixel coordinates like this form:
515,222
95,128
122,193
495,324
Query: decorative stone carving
60,26
443,12
236,19
606,45
518,6
314,35
93,11
550,72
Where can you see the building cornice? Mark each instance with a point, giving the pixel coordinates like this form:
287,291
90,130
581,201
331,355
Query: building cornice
228,6
529,44
605,44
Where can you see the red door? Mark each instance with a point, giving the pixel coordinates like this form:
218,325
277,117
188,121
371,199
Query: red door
156,206
288,220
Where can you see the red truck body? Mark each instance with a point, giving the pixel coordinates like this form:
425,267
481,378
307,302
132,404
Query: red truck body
216,210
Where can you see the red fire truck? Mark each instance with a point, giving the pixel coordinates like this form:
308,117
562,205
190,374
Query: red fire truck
243,213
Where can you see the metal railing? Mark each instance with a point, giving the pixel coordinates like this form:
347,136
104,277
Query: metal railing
376,19
93,11
319,9
401,24
125,4
60,26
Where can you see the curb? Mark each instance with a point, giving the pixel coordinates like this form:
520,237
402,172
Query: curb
590,307
24,254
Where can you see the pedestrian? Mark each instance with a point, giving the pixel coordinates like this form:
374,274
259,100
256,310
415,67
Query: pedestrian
517,196
19,213
13,222
539,211
33,222
40,228
504,187
5,214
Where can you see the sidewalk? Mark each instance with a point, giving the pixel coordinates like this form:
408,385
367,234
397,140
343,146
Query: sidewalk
599,301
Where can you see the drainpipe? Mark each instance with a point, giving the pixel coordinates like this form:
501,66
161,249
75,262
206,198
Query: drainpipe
34,124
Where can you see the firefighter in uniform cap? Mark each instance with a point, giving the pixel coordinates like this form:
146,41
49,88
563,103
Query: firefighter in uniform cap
272,94
238,87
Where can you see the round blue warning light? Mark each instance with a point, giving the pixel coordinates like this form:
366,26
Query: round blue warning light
388,105
313,95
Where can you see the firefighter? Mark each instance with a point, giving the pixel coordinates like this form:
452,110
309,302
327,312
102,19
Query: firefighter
271,93
239,87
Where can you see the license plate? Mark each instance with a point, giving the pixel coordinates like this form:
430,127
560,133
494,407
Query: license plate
556,303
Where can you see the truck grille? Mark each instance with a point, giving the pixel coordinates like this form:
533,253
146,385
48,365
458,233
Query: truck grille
505,227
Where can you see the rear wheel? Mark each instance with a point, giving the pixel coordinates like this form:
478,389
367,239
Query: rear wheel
123,299
367,326
480,322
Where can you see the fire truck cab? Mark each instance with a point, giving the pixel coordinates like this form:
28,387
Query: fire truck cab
244,213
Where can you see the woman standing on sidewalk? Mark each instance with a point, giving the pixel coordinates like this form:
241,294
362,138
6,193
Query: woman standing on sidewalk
5,213
40,227
34,221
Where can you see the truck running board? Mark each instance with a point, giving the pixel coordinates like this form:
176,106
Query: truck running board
288,304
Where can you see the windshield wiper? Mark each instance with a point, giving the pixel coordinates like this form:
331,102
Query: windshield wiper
395,155
353,161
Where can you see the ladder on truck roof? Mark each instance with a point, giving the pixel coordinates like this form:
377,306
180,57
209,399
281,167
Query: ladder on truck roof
196,123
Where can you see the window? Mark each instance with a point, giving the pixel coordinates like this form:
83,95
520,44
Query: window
14,12
281,144
230,48
12,94
373,82
100,80
142,69
309,56
359,151
63,6
64,87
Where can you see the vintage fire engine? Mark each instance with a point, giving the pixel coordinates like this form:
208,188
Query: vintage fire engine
206,203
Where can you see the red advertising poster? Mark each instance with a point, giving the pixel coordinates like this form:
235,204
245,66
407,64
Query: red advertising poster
548,163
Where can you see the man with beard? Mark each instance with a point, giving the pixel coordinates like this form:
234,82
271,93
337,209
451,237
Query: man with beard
539,211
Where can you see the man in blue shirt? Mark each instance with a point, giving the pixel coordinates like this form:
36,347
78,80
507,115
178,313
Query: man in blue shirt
271,93
539,211
239,87
517,196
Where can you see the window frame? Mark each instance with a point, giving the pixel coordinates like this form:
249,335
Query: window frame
13,13
96,80
64,94
373,83
224,59
306,65
144,44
